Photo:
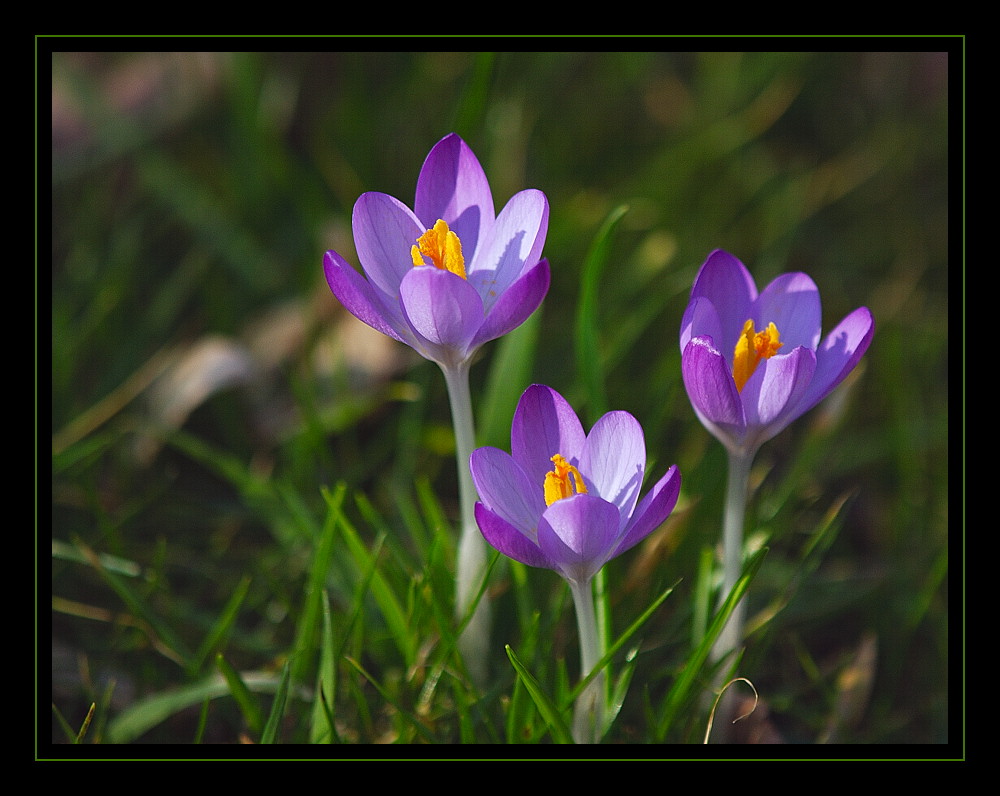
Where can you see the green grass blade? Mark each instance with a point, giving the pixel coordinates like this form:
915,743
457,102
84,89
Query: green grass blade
244,699
277,707
220,630
545,705
322,726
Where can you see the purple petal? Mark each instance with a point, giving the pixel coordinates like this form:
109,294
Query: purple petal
544,424
504,537
384,233
772,395
614,460
505,489
711,388
700,320
514,242
362,300
578,533
515,305
443,309
727,283
792,303
838,355
453,186
652,511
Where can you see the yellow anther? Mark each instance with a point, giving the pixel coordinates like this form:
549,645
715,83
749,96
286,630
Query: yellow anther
751,348
442,247
558,484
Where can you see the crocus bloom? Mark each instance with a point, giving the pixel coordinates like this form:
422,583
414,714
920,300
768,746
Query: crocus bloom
752,363
448,275
563,499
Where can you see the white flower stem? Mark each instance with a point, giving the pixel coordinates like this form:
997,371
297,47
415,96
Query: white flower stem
471,565
588,714
732,549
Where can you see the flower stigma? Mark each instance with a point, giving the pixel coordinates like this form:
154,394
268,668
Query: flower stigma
442,247
751,348
557,482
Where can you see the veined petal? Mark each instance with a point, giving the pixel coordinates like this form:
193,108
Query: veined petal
772,396
515,305
700,320
579,534
505,489
652,510
838,355
509,540
727,283
384,232
364,301
712,390
792,303
511,244
614,460
544,424
453,186
444,311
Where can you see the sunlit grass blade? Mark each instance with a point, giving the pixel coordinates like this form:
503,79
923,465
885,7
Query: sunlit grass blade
322,726
551,713
411,720
244,699
681,689
270,732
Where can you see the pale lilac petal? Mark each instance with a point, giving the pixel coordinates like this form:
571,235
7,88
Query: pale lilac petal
513,243
453,186
701,320
515,305
364,301
385,231
727,283
711,388
509,540
579,533
443,310
614,460
505,489
544,424
772,395
838,355
792,303
652,510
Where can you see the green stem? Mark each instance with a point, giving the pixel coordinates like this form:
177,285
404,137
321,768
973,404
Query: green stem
732,549
471,565
588,715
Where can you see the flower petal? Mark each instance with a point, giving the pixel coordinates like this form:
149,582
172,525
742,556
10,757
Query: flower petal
509,540
443,310
453,186
792,303
511,245
838,355
505,489
515,305
364,301
700,320
614,460
384,233
544,424
712,391
578,534
772,396
652,511
727,283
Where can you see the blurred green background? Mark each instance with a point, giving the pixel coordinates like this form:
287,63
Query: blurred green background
206,384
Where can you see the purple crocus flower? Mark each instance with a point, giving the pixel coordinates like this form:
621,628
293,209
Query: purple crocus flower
566,500
752,363
449,275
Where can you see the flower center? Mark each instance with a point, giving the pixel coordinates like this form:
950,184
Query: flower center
558,484
442,247
751,348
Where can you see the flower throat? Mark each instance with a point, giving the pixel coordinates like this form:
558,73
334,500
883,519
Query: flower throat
442,247
751,348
